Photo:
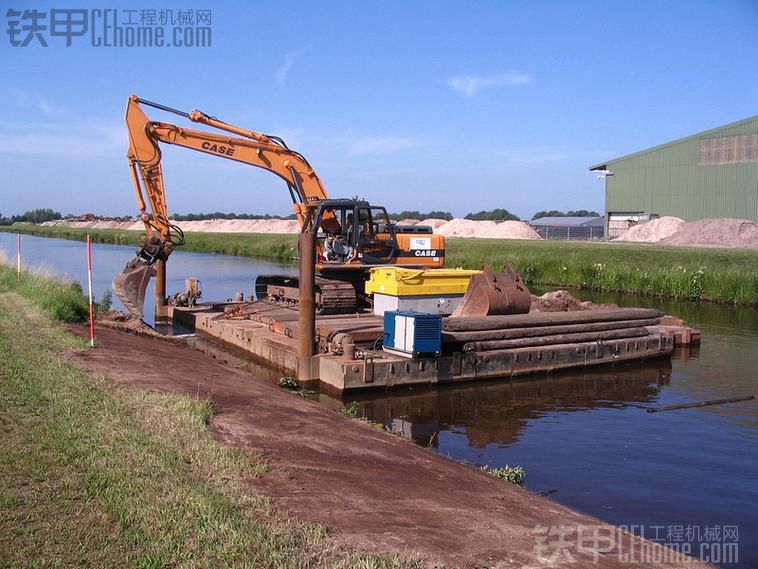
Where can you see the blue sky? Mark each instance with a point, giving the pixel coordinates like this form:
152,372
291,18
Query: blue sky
413,105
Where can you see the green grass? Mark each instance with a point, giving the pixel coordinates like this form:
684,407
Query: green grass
61,300
94,474
682,273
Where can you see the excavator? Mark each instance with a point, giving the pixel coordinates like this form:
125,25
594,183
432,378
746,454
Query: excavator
351,235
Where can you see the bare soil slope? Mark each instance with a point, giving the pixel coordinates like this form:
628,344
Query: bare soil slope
377,491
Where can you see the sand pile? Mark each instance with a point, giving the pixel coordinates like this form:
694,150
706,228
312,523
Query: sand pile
433,222
407,222
454,228
722,232
487,229
653,230
563,301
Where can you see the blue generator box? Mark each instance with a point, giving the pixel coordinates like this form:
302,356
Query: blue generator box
411,334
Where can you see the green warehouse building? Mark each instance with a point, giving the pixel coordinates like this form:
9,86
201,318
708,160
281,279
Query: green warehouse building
710,174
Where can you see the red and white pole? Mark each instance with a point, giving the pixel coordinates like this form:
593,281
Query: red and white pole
18,257
89,286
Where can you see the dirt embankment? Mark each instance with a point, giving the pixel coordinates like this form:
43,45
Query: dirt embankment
374,490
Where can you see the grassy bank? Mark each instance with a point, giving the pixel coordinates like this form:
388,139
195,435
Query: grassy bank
718,275
682,273
93,474
61,300
281,247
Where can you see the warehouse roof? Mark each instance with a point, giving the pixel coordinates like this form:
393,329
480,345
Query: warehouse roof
568,221
604,165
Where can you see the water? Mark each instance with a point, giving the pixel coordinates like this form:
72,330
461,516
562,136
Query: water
221,275
581,436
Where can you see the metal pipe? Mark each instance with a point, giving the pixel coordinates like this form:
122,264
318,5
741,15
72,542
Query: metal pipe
306,319
160,290
162,107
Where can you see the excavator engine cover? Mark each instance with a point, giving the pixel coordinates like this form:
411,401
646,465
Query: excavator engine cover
131,284
491,293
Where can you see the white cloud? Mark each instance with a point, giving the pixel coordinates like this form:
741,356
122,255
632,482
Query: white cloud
289,60
74,140
379,145
470,85
35,101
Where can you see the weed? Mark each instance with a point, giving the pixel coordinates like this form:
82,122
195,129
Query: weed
105,303
513,474
351,410
289,382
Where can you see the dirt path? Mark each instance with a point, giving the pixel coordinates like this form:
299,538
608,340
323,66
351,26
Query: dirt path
379,492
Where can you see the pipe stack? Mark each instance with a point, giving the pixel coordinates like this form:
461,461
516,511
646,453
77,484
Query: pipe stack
488,333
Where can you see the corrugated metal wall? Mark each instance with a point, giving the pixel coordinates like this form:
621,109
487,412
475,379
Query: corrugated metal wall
668,180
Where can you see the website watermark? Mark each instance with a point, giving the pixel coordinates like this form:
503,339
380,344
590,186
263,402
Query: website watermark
660,545
149,27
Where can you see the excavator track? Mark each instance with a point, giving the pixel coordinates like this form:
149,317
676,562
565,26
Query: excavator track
332,296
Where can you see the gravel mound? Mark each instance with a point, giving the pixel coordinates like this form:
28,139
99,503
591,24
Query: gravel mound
652,231
722,232
487,229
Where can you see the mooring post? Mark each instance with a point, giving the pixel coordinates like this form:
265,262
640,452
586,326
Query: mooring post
306,320
161,315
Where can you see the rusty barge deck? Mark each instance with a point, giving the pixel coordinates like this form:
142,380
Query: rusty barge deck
268,333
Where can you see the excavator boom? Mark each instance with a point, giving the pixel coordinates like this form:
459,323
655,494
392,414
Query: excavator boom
361,237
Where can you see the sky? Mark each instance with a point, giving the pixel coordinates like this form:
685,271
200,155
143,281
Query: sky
414,105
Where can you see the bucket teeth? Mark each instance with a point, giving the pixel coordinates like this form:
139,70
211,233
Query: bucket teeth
492,293
131,284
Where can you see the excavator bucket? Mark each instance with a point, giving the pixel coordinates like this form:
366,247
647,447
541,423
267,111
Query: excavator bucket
131,284
492,293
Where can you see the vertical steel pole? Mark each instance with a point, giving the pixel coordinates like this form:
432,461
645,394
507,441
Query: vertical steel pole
18,257
160,291
306,319
89,288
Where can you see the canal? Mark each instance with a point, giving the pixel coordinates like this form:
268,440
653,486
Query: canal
584,438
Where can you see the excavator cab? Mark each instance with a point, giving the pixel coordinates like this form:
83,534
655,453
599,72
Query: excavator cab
365,235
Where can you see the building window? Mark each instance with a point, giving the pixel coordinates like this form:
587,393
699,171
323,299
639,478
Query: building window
738,149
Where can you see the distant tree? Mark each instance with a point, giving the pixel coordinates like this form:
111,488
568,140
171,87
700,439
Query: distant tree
574,213
413,214
36,216
222,215
498,214
582,213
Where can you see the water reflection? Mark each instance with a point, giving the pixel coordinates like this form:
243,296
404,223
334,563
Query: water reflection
495,412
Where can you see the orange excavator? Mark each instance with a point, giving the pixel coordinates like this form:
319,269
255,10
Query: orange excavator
351,235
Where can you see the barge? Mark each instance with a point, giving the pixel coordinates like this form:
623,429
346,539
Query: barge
348,352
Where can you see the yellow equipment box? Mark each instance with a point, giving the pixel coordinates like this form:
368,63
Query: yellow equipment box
397,281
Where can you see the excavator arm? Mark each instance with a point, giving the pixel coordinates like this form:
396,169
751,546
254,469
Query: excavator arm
233,143
249,147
